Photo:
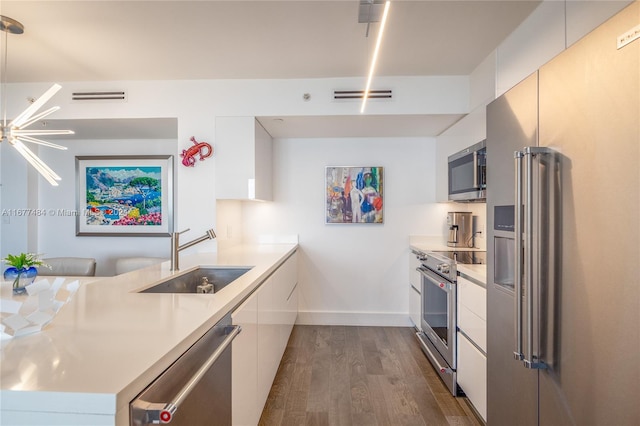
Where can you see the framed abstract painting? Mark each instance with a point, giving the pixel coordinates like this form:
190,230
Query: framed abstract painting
124,195
354,195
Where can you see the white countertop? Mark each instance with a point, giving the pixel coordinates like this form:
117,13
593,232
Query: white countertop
477,272
109,342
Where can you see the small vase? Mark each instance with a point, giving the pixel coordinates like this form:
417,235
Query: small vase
21,278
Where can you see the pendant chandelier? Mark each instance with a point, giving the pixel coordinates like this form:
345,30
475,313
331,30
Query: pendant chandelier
15,132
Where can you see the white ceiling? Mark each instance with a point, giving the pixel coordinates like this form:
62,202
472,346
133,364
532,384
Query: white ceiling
86,40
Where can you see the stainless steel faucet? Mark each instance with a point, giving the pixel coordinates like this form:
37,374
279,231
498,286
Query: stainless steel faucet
176,248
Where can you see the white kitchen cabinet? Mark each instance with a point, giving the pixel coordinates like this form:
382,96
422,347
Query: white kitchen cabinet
270,313
243,152
287,296
268,340
415,288
245,364
414,263
472,374
472,342
472,311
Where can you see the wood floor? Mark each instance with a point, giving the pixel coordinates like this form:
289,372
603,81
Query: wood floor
337,375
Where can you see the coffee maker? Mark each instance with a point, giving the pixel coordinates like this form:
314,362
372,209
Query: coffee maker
460,229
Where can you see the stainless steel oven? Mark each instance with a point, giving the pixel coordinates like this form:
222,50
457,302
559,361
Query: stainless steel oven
438,310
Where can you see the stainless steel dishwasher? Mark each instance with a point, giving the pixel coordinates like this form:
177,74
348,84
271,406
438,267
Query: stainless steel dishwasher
196,389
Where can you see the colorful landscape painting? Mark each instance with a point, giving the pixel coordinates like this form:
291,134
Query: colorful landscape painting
354,195
119,196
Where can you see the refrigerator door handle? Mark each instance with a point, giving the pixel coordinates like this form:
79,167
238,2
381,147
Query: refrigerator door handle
517,270
529,361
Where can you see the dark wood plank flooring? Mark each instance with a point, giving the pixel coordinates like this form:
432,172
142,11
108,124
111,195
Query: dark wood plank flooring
339,375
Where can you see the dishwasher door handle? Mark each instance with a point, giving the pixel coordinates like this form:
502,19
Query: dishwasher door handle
160,412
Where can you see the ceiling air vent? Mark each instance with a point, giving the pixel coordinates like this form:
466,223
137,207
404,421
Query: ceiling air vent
359,94
114,96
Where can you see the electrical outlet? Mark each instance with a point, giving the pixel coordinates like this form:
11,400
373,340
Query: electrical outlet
480,230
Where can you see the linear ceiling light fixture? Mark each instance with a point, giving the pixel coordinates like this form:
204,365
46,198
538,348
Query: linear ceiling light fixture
14,132
374,59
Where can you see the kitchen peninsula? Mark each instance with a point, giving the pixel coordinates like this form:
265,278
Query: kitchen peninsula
109,342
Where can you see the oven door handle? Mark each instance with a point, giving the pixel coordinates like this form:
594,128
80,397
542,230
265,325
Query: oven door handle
443,370
443,284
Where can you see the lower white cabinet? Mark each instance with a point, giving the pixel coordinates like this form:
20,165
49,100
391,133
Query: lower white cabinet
268,339
269,313
472,342
472,374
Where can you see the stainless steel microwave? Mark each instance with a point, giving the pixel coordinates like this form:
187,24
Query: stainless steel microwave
468,174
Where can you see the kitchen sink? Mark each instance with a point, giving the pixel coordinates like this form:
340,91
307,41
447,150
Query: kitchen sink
202,280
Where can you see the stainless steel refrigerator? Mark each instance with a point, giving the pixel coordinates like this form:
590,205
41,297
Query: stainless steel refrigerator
563,222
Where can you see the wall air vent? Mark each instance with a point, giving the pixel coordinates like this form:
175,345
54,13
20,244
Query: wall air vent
113,96
359,94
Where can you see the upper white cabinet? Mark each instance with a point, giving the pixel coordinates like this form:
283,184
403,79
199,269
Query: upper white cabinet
243,159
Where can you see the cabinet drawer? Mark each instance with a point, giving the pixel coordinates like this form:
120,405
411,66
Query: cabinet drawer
472,374
473,326
414,275
473,297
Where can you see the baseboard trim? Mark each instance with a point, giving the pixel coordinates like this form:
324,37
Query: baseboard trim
379,319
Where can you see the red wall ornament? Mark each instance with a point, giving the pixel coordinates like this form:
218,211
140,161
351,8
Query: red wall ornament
199,148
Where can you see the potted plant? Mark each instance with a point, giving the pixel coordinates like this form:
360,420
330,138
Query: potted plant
22,270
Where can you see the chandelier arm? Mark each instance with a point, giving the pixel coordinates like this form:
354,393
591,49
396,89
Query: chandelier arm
42,164
24,138
41,167
40,116
4,80
27,113
28,132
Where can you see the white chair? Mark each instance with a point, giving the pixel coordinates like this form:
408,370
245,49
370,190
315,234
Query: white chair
68,266
128,264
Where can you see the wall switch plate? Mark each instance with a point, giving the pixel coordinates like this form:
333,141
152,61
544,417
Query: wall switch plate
629,36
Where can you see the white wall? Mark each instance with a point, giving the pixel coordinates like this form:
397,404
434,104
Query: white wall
13,182
351,273
56,230
195,104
